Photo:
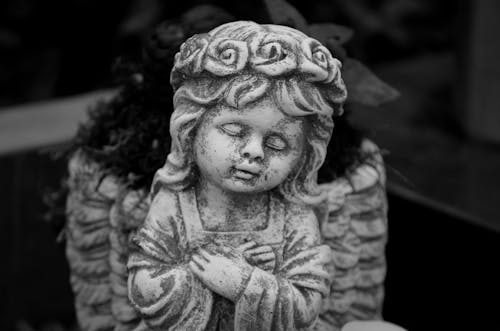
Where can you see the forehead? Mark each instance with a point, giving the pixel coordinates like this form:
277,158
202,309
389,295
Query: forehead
263,114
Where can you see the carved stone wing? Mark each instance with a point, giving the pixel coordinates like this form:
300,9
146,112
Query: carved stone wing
101,216
355,227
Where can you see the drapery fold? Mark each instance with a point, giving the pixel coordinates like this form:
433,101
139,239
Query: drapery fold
170,297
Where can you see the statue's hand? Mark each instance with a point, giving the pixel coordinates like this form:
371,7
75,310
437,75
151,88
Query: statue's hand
263,257
223,270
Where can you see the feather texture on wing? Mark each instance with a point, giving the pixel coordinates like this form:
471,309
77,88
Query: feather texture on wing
102,214
354,225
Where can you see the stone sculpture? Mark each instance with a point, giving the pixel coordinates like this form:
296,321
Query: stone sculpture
236,233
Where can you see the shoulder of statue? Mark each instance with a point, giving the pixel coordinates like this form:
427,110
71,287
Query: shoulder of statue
300,218
164,208
165,198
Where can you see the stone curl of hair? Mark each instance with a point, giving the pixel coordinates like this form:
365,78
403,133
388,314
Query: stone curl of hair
229,68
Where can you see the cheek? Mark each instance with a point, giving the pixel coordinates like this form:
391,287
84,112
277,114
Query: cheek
214,149
281,166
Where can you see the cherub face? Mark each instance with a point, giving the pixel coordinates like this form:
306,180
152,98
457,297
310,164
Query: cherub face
248,150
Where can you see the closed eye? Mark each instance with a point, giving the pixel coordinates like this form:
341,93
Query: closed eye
232,129
276,143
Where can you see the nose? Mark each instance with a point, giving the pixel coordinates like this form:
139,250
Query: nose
253,150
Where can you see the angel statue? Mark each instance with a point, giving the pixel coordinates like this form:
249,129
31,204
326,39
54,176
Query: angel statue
235,233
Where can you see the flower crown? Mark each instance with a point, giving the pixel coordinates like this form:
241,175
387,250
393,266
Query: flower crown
270,50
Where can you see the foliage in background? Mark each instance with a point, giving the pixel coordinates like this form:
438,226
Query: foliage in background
363,86
48,48
129,136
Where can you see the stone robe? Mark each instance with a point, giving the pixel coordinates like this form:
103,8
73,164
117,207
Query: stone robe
170,297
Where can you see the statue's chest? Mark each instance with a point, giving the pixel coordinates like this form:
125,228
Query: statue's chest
201,238
197,236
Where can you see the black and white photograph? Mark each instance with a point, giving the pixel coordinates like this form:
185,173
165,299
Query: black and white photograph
279,165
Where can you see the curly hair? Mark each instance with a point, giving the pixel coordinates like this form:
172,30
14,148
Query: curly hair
239,63
128,136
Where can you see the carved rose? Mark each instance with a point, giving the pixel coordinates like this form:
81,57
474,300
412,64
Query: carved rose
272,50
192,53
320,58
226,57
318,62
273,57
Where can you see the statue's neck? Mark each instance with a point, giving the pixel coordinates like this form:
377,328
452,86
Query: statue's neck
228,211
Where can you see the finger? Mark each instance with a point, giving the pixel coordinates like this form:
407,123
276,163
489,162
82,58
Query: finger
247,245
196,268
204,254
263,257
199,261
227,252
260,250
212,250
268,265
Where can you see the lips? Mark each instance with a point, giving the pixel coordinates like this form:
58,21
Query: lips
246,172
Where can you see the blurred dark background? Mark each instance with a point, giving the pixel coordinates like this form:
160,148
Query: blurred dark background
442,138
55,48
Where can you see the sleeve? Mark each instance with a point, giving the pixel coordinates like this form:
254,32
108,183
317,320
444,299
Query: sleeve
161,285
355,228
126,216
291,298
